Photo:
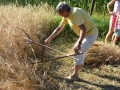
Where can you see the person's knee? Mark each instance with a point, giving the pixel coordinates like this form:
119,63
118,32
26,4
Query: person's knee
79,62
110,32
111,29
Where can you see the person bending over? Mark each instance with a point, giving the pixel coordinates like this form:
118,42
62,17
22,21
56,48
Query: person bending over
83,26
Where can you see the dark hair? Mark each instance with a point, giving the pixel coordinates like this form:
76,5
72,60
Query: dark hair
62,6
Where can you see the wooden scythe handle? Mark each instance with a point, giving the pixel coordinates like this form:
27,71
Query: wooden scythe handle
42,59
50,59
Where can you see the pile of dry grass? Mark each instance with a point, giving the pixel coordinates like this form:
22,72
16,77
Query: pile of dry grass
15,71
103,53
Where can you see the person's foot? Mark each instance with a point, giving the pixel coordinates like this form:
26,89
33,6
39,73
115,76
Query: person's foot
71,78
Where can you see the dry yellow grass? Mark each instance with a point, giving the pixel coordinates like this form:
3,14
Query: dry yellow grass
15,71
103,53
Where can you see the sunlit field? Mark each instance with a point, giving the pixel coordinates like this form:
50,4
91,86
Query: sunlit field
101,69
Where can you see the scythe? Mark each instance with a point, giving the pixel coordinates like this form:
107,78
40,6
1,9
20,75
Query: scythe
45,46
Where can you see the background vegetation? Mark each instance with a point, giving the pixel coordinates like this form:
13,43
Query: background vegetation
100,5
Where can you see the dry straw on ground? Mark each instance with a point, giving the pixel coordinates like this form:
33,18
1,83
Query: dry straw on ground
103,53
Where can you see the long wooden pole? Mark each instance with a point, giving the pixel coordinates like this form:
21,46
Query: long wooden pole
45,46
50,59
42,59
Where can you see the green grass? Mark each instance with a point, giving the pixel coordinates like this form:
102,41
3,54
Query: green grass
102,23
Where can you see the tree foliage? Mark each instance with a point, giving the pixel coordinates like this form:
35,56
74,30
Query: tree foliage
100,5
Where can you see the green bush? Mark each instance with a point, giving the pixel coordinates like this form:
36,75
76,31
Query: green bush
67,31
101,21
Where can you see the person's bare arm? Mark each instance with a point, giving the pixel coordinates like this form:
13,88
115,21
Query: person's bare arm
81,37
82,33
109,5
54,34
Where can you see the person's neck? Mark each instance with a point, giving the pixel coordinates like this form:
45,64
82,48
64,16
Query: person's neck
68,13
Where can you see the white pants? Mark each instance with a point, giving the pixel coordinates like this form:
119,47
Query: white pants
87,42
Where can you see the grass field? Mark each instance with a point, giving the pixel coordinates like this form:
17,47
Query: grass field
102,64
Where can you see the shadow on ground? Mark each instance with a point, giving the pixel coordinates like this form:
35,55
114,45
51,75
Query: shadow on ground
78,85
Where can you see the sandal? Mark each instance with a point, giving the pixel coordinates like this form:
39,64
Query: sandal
72,79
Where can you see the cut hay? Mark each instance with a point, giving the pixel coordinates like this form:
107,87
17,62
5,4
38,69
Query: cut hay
103,53
15,71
